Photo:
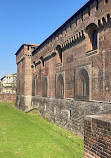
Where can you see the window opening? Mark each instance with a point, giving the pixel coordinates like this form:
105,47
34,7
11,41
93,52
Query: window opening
106,1
59,54
94,42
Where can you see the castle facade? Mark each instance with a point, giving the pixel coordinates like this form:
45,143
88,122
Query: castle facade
68,76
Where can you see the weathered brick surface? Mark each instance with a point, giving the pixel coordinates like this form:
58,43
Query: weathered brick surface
97,136
74,55
9,98
24,72
73,39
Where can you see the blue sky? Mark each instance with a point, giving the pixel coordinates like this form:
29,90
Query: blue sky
29,21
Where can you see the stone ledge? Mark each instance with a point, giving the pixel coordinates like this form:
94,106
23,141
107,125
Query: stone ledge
105,118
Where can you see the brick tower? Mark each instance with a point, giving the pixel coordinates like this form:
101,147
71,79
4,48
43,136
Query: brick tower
24,75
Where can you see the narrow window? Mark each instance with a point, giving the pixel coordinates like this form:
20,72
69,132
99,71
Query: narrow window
89,10
108,16
97,5
82,16
92,37
28,47
94,40
70,114
59,54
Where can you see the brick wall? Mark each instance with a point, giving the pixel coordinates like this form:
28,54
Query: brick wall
73,39
97,136
9,98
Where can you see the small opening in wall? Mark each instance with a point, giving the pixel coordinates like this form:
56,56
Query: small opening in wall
92,35
108,16
82,16
94,40
28,47
106,1
89,10
97,5
70,114
59,54
99,22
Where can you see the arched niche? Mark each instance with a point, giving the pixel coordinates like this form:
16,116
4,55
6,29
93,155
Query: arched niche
82,85
60,87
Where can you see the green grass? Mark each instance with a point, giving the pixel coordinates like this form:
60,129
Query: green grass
30,136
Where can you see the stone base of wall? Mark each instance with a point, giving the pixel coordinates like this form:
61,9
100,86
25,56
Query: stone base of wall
97,136
67,113
9,98
23,102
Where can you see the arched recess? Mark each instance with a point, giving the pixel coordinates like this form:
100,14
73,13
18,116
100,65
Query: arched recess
59,54
60,87
92,37
82,85
45,87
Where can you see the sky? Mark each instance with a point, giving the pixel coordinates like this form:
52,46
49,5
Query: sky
29,21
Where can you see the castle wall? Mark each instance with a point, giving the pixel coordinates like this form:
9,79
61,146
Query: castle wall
97,136
70,71
67,113
72,38
8,98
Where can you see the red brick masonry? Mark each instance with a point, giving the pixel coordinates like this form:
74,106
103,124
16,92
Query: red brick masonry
97,136
9,98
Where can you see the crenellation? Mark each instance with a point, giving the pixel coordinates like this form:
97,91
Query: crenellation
86,13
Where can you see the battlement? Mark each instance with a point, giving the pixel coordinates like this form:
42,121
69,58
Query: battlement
94,11
25,49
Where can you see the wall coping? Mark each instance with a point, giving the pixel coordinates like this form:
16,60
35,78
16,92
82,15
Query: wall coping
105,118
73,99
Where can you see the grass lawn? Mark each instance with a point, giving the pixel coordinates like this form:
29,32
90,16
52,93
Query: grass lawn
30,136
